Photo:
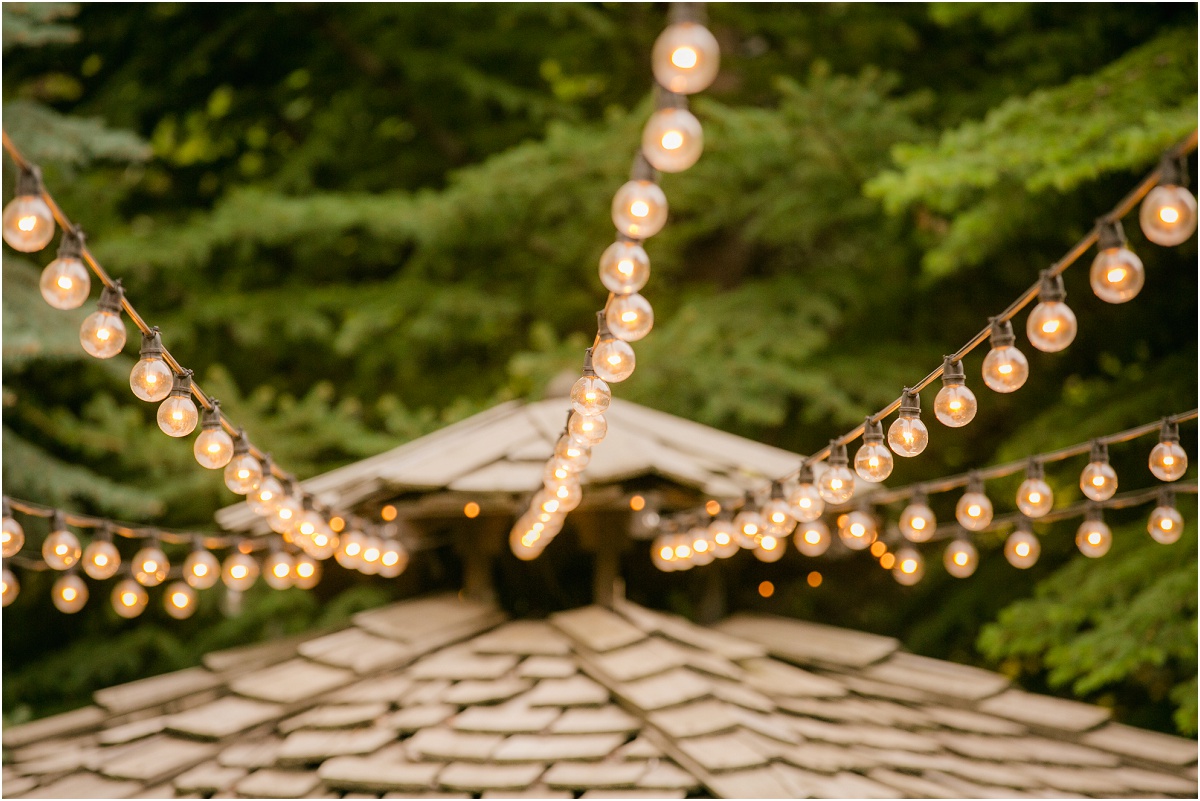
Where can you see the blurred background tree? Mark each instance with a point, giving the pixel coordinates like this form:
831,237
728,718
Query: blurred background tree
361,222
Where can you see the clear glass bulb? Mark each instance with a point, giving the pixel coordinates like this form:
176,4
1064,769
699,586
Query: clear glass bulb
639,209
201,569
955,405
1117,275
12,537
65,283
243,474
613,360
1051,326
69,594
587,431
908,436
286,515
974,511
571,454
1098,481
917,522
1005,369
177,416
239,571
836,484
806,502
307,524
557,470
213,448
590,395
1165,524
859,531
524,545
1022,549
61,550
770,548
721,534
28,223
372,550
1168,461
101,559
567,493
748,526
1093,539
873,462
102,334
306,572
686,58
266,497
179,600
777,518
1034,497
349,552
702,547
629,317
129,598
10,588
662,555
150,566
960,558
1168,215
812,538
151,379
624,267
909,566
277,570
672,140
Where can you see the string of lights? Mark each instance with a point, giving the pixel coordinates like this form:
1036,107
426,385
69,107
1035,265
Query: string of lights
685,60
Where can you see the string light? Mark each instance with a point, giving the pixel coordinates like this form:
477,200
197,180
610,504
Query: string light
12,535
639,209
748,525
770,548
974,509
213,448
955,404
177,415
240,571
686,57
101,559
672,140
69,593
1168,214
961,558
777,515
306,572
812,538
201,569
102,333
873,462
859,531
349,551
702,548
613,359
1098,480
624,267
28,223
909,566
907,435
151,379
836,484
243,474
1094,537
721,534
590,395
805,499
60,549
1022,547
1034,496
917,521
1168,460
1051,326
588,431
10,588
179,600
1117,273
150,565
629,317
1165,524
266,496
65,283
129,599
1005,369
277,570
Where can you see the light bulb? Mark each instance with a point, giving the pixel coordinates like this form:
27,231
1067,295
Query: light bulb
567,493
917,521
524,545
372,551
662,555
1168,214
1098,480
672,140
639,209
685,58
683,552
907,435
177,415
349,552
805,500
777,517
266,497
569,453
213,448
587,431
624,267
873,462
65,282
103,333
770,548
201,569
1005,369
69,594
286,515
28,222
812,538
974,509
151,379
859,531
960,558
101,559
629,317
1094,537
61,549
10,588
239,571
244,473
909,566
1117,273
955,404
1051,326
150,566
129,598
1165,524
1168,460
721,534
179,600
12,535
1022,548
613,359
748,526
836,484
1034,496
590,395
306,572
277,570
702,547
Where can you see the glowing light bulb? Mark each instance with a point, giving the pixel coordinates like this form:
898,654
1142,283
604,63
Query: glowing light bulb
151,379
613,359
662,554
349,552
213,448
974,509
629,317
101,559
286,516
917,521
909,566
721,534
873,462
10,588
1098,480
1168,460
770,548
150,566
907,435
372,551
702,548
69,594
587,431
1051,326
1005,369
639,209
812,538
748,526
201,569
65,283
685,58
240,571
590,395
1034,496
244,473
568,494
177,415
672,140
859,531
306,573
28,223
265,498
1094,537
1117,274
960,558
804,499
103,333
624,267
12,535
1165,523
277,570
524,545
836,484
179,600
1022,548
60,550
955,404
570,454
1168,214
129,599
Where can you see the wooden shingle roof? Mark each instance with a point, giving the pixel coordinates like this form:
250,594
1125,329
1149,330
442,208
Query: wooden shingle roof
440,697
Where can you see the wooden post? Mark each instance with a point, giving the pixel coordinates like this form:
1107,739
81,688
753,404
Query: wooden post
477,543
605,534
